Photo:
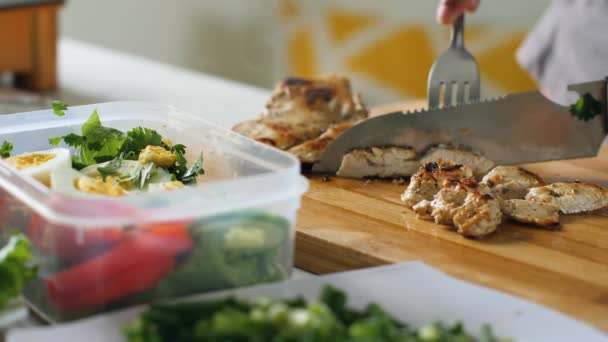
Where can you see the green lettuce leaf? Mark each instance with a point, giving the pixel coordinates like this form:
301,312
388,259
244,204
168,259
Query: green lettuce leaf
6,149
59,108
16,268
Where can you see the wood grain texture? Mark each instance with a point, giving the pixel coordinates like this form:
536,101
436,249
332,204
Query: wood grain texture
347,224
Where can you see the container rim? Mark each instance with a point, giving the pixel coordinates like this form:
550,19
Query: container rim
67,210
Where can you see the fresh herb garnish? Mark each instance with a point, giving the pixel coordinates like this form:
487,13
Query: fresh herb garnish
586,107
181,164
59,108
137,139
6,149
16,267
97,144
325,320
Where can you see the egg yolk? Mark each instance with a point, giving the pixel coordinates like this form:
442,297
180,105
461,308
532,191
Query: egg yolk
172,185
157,155
167,142
29,160
109,187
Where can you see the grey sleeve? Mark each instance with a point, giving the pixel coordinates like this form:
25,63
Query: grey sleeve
569,44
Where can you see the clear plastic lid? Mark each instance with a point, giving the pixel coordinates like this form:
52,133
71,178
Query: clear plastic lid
239,172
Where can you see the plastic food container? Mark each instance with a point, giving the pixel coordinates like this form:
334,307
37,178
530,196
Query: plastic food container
234,228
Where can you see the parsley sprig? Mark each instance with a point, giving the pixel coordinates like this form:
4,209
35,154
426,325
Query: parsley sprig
59,108
6,149
586,107
97,144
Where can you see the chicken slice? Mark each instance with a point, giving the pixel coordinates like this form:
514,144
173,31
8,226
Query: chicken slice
479,216
426,182
302,109
383,162
511,182
536,213
451,196
571,198
310,151
423,210
479,164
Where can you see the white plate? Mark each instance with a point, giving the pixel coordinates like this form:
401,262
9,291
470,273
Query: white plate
413,292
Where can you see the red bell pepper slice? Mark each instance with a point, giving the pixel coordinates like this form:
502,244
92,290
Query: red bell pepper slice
148,247
129,282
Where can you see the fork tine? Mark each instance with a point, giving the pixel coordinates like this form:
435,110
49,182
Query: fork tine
460,89
448,93
473,91
434,94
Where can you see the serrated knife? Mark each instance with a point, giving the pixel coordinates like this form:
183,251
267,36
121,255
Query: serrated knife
515,129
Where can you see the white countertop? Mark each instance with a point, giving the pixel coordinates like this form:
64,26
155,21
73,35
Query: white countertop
89,74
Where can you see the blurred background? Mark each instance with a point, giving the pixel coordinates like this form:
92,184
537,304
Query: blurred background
385,46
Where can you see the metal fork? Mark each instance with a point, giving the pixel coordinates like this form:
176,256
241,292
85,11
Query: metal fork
454,73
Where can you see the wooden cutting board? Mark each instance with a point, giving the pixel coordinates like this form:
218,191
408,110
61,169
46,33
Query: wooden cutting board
347,224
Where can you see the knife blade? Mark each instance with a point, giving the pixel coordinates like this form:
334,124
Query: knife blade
514,129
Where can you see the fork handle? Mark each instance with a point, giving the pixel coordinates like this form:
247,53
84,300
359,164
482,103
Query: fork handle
457,38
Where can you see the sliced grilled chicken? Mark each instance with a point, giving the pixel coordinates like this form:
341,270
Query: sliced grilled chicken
302,109
426,182
530,212
511,182
479,164
479,216
451,196
423,210
383,162
310,151
571,198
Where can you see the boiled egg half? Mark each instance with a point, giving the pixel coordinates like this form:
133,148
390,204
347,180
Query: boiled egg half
41,164
74,183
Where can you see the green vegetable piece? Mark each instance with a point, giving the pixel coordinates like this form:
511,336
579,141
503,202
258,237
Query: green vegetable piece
111,168
295,320
215,263
196,169
55,141
137,139
16,268
59,108
334,299
586,107
430,333
181,164
92,123
6,149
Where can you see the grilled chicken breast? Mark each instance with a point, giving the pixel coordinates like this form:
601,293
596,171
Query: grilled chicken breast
423,210
479,164
451,196
511,182
310,151
383,162
530,212
302,109
571,198
426,182
479,216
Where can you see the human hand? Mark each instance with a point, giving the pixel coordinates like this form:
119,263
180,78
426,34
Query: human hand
449,10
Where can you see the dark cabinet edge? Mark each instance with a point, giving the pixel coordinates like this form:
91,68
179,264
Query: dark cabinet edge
10,4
